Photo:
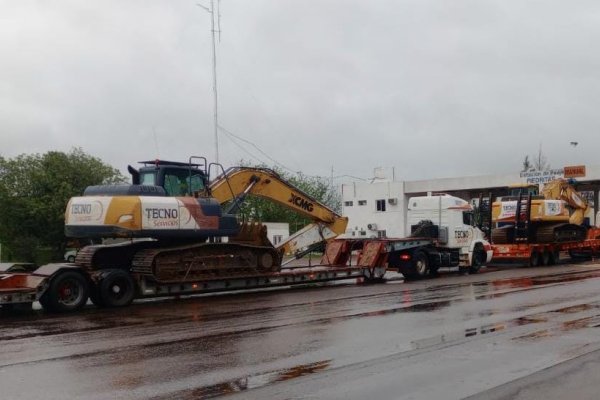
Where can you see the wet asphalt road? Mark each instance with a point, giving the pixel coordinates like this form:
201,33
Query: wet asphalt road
447,338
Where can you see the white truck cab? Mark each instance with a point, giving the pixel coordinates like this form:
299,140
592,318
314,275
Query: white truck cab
455,241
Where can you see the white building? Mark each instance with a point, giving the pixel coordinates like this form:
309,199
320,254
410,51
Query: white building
378,208
277,232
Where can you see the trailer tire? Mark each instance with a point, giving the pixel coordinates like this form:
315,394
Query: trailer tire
116,289
554,257
534,259
545,258
68,291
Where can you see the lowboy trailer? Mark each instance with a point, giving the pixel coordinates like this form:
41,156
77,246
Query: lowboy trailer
67,287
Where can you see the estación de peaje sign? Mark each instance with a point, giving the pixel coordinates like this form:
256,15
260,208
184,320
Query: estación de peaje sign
536,177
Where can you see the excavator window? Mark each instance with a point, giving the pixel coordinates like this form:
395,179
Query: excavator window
179,182
148,178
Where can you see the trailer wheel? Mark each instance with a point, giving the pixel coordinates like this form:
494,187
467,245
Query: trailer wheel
554,257
545,258
68,292
534,259
116,289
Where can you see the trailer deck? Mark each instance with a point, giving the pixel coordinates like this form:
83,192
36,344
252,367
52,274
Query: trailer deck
17,288
542,253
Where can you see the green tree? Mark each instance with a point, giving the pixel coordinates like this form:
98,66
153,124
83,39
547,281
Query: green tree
259,209
34,191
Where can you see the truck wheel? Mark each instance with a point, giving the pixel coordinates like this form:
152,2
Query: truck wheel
116,289
71,259
433,271
421,264
68,292
7,308
478,259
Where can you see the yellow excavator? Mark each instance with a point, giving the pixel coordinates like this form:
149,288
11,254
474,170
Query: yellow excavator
174,217
557,215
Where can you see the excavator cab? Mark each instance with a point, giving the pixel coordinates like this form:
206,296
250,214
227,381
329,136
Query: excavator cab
176,178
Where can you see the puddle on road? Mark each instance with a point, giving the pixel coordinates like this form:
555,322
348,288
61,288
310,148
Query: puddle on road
471,332
544,280
248,382
567,326
577,308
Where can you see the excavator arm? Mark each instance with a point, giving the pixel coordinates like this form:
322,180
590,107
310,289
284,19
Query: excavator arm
560,189
238,182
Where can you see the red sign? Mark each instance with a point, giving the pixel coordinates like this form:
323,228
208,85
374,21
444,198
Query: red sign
576,171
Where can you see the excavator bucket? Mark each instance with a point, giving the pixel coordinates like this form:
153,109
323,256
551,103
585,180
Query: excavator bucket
252,233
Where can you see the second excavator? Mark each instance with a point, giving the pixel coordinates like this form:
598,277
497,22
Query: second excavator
557,215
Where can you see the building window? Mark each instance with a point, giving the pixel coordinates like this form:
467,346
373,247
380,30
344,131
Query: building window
277,239
382,233
380,205
347,204
362,202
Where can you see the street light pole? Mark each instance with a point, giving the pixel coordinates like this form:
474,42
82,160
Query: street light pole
211,11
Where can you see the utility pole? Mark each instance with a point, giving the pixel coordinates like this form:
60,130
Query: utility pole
211,11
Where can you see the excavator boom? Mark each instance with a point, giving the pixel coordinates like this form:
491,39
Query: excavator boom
237,182
561,189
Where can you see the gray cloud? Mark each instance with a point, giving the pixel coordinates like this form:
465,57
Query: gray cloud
434,88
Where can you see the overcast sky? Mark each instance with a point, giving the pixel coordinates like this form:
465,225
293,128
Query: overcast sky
434,88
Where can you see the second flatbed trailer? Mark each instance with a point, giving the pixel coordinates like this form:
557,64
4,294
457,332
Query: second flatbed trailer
537,254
